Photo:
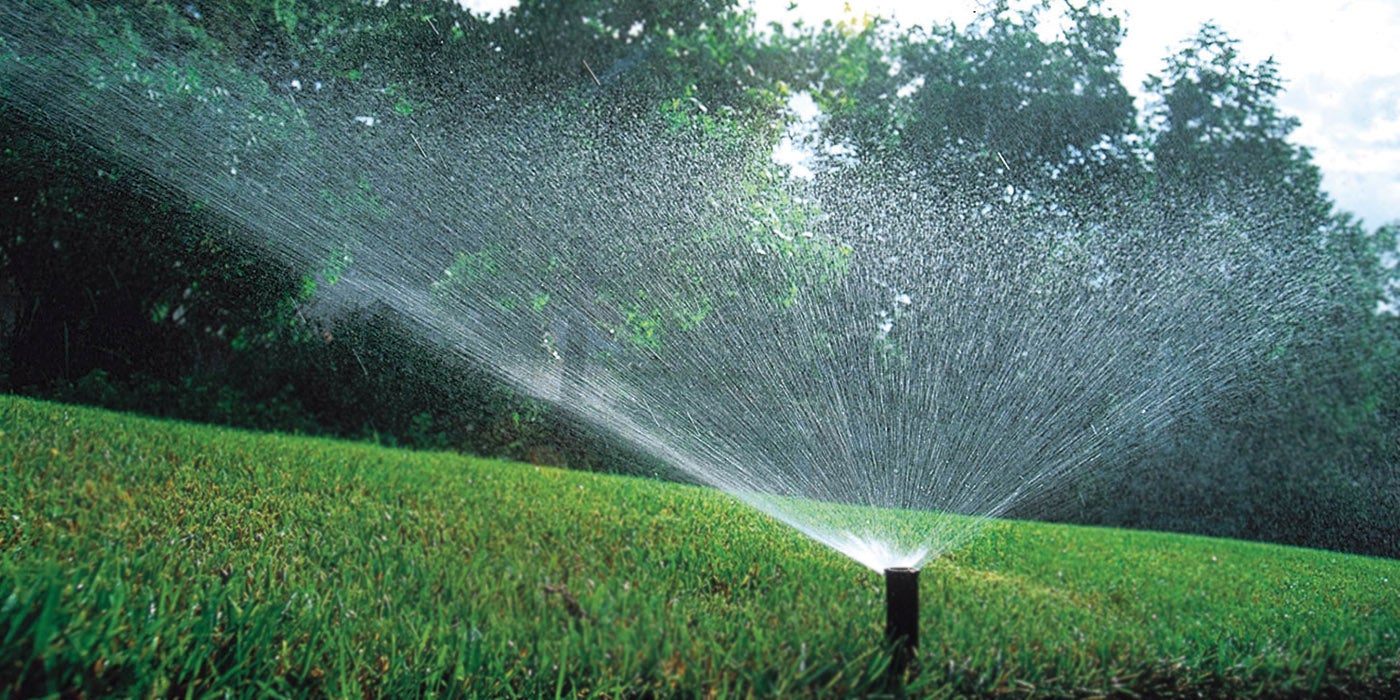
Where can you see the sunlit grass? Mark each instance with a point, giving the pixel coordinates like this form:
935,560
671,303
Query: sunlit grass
140,557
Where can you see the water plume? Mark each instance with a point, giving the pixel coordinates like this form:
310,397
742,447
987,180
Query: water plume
885,342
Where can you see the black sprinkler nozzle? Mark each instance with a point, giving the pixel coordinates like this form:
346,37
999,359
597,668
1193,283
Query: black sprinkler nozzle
902,614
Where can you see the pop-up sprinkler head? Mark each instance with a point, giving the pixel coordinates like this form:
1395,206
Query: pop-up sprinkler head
902,615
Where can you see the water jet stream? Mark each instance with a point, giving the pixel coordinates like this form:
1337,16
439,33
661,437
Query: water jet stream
916,348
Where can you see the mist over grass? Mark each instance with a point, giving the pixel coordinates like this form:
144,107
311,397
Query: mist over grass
994,295
885,336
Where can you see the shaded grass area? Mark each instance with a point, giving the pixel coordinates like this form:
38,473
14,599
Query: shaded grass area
140,557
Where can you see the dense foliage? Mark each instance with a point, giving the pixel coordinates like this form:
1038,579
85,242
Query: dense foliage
116,291
265,565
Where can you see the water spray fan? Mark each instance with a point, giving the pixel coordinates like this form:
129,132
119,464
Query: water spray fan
894,344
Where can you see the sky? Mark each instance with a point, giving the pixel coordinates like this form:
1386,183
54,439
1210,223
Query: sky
1338,59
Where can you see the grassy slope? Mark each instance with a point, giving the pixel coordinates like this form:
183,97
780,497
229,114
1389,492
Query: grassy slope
146,557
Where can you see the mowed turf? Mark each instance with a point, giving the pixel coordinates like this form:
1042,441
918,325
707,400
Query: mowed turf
142,557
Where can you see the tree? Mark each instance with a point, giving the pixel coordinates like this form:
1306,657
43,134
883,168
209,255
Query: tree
990,105
1219,139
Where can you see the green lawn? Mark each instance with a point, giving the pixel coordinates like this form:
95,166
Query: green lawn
141,557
